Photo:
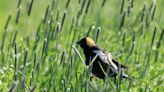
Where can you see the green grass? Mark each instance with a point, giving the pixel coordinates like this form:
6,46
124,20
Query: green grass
38,50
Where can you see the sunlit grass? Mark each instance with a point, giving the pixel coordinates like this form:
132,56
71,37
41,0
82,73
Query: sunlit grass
38,50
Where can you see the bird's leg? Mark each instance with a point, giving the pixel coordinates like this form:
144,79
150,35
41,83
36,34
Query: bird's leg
116,83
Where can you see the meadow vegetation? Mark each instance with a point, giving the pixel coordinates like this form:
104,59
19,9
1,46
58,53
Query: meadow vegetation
38,50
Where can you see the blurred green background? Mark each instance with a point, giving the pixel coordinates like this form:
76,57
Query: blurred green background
36,49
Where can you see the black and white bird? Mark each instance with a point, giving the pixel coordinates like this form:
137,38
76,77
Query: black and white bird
103,60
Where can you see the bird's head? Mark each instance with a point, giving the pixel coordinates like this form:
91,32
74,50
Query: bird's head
86,42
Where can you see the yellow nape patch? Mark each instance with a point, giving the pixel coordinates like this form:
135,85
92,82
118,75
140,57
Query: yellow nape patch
90,42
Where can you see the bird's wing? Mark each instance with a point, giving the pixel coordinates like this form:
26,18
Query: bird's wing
107,59
118,64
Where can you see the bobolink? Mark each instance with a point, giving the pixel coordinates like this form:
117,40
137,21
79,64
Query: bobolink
103,61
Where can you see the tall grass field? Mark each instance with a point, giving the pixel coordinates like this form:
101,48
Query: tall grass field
38,50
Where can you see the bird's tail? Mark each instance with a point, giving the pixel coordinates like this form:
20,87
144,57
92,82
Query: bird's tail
123,75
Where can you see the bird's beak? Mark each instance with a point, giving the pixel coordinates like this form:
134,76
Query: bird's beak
78,42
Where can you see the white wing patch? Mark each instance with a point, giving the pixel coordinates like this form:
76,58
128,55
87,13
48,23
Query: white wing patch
107,58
